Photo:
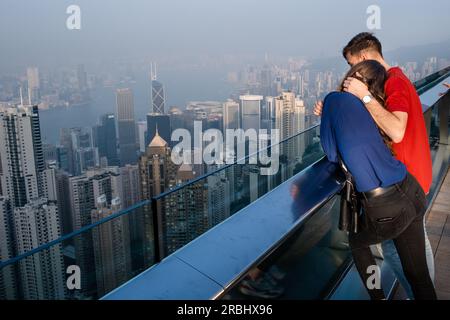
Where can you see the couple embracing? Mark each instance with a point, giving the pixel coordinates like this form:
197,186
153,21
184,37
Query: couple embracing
374,126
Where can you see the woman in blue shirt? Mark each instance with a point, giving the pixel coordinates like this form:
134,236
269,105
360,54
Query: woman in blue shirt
393,202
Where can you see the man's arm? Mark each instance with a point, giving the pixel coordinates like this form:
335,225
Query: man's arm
392,123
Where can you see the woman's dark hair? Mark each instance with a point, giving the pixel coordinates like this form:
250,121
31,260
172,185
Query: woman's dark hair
374,75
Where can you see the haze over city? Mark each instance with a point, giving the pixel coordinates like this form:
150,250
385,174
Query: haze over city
34,32
130,128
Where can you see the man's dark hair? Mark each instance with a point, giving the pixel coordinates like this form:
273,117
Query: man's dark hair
360,42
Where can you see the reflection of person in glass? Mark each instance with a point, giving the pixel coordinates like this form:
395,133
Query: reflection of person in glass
393,202
447,86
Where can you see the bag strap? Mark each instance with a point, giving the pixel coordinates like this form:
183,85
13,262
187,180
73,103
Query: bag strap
351,196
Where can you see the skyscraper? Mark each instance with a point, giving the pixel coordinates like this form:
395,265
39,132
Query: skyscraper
158,96
8,282
42,275
65,152
127,126
176,118
21,156
85,154
231,115
157,174
33,85
106,140
130,185
84,190
55,184
250,112
185,213
290,120
34,220
111,246
160,121
219,200
142,135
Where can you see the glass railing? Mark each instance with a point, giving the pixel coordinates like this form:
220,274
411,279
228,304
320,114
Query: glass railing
304,266
116,249
186,212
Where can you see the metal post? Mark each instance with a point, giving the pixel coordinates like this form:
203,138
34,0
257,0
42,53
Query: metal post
157,231
444,105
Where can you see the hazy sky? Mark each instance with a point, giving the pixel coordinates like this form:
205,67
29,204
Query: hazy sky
34,31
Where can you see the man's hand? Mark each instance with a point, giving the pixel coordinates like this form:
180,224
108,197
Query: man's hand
318,106
356,87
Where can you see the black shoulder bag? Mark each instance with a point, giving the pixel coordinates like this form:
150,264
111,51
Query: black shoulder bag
349,216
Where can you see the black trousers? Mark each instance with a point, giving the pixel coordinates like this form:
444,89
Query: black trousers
396,215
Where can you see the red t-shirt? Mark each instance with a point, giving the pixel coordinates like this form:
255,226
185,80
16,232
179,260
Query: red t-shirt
414,149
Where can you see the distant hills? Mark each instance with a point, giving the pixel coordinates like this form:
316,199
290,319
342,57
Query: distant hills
401,55
421,52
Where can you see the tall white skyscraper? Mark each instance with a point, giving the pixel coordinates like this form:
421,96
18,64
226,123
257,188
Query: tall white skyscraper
141,135
21,154
299,125
33,84
290,120
34,220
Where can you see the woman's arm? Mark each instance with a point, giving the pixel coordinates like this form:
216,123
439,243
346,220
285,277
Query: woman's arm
327,136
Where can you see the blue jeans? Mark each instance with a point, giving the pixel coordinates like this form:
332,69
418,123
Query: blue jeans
393,261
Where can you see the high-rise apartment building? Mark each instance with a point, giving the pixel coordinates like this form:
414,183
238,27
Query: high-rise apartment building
8,281
42,275
29,219
84,190
21,155
185,213
219,200
289,116
111,246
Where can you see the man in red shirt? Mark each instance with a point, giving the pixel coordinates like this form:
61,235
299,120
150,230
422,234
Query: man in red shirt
402,120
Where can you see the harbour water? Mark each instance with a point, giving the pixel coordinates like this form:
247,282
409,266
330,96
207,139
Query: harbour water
180,87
